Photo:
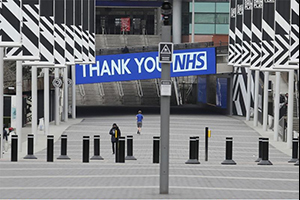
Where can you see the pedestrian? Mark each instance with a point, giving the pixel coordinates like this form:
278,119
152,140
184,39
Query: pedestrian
139,119
5,139
115,135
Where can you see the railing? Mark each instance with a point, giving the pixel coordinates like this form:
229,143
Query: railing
139,88
177,93
81,90
157,84
221,48
101,89
190,89
120,88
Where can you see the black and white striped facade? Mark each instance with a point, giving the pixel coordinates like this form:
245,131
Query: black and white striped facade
268,34
231,48
78,31
247,34
30,33
59,33
70,34
239,33
92,28
294,38
10,23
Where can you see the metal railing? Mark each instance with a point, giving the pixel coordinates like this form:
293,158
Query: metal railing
139,88
120,88
101,89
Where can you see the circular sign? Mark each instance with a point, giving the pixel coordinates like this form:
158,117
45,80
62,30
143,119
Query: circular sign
57,82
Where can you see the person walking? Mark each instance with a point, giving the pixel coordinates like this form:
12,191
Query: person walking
5,139
139,119
115,135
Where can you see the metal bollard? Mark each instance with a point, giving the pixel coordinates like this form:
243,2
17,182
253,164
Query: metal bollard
228,160
295,151
297,162
197,147
86,149
265,153
63,155
259,148
193,151
30,139
206,143
121,149
156,141
97,148
130,148
14,148
50,149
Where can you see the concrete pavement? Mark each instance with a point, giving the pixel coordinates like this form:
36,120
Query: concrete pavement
72,179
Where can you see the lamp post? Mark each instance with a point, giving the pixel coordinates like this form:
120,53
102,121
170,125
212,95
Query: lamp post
166,10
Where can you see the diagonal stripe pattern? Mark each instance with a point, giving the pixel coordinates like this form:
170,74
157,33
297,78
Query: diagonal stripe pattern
294,54
231,48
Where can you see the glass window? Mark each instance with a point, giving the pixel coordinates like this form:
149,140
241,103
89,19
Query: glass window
222,7
222,18
204,29
203,7
222,28
204,18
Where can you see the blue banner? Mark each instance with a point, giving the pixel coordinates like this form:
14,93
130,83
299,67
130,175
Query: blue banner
138,66
202,90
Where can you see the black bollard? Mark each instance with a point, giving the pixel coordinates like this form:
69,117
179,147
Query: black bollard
121,149
206,143
265,153
50,149
295,151
259,149
156,140
97,148
30,144
297,162
86,149
14,148
63,155
228,160
130,148
193,151
197,147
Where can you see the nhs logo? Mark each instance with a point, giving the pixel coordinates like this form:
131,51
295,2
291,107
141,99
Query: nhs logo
145,65
195,61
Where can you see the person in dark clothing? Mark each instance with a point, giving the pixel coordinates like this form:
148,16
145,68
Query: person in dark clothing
5,134
115,135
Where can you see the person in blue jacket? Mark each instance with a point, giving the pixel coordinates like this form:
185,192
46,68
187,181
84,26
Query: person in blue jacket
115,135
139,119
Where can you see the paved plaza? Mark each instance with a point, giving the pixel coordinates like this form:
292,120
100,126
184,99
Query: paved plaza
139,179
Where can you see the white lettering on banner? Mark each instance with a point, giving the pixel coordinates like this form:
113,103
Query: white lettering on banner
116,67
139,63
94,68
84,70
190,62
124,66
105,68
147,66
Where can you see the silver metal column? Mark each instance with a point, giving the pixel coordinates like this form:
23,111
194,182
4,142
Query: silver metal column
276,106
256,93
66,96
34,101
290,111
19,94
46,101
73,92
248,106
176,20
165,122
266,97
57,95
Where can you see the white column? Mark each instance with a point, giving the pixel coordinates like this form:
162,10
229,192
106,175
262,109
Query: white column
1,98
34,101
266,98
276,106
256,93
56,103
66,99
46,101
193,21
73,92
19,96
249,73
176,20
290,111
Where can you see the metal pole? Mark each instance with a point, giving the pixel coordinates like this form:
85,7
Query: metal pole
57,119
73,92
256,87
165,121
290,111
19,92
266,97
248,94
34,101
276,106
193,21
1,98
46,100
66,97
